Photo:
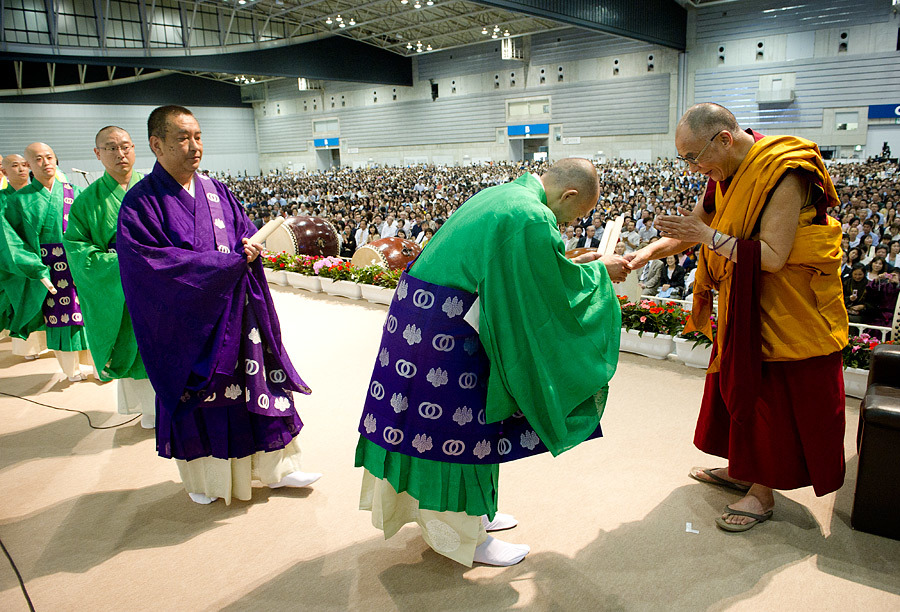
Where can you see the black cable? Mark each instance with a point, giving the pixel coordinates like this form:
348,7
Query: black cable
90,423
18,575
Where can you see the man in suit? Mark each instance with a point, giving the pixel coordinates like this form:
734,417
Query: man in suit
589,240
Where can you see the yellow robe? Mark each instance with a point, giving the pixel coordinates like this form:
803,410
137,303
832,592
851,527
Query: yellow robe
801,306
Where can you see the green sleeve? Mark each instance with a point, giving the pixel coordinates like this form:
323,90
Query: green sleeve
93,268
23,245
551,329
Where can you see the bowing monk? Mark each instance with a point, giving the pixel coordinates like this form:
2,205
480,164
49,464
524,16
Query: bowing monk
205,324
773,404
448,403
40,285
90,243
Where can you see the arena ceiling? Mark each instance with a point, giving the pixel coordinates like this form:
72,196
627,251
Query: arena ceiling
84,42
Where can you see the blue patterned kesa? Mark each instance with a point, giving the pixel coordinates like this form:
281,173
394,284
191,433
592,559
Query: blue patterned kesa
429,386
62,309
259,379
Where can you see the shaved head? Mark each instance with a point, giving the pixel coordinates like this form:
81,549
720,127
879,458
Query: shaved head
572,188
37,148
104,134
708,118
16,169
43,161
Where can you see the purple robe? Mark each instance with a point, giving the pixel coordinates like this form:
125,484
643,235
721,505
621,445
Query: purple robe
204,322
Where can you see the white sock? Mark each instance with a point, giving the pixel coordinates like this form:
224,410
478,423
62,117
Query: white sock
501,521
79,376
200,498
501,554
296,479
148,421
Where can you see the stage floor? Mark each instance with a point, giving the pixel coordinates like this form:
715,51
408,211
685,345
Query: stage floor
95,520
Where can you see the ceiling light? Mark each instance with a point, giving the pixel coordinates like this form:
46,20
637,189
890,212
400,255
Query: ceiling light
342,25
417,4
404,1
253,80
242,1
484,30
419,50
329,21
430,3
352,21
339,18
496,28
409,45
506,32
428,48
494,35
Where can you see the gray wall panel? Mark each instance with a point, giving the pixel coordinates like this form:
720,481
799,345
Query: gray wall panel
598,108
748,18
820,83
573,44
229,135
563,45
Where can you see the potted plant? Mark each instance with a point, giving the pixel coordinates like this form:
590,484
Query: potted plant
856,356
694,349
336,276
649,328
301,274
275,265
377,284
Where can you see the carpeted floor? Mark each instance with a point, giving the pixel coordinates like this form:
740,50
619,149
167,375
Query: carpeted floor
96,521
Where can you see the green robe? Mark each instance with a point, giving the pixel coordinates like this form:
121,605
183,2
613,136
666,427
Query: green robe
549,327
92,227
5,304
33,217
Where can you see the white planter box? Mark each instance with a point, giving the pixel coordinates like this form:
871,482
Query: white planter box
655,346
347,289
855,380
302,281
377,295
276,277
692,357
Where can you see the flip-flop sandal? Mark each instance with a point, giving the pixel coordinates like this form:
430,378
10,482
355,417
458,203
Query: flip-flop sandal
718,481
757,519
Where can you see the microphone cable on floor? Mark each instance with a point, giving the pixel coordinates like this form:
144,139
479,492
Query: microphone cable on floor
18,575
86,415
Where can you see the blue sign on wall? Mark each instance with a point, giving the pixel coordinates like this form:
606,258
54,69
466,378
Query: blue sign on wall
534,129
884,111
327,142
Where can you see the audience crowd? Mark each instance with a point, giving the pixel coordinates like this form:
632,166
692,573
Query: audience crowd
413,202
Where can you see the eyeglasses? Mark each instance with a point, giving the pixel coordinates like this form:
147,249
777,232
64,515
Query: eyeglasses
123,148
695,159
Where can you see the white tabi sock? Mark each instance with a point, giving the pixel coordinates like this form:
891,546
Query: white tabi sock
501,554
296,479
148,421
501,521
200,498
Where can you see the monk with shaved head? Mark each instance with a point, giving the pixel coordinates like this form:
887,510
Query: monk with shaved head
90,243
42,291
496,348
15,170
774,399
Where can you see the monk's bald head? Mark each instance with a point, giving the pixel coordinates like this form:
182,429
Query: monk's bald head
109,131
42,160
38,148
705,119
572,188
15,168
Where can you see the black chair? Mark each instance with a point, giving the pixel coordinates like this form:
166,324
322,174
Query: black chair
876,503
